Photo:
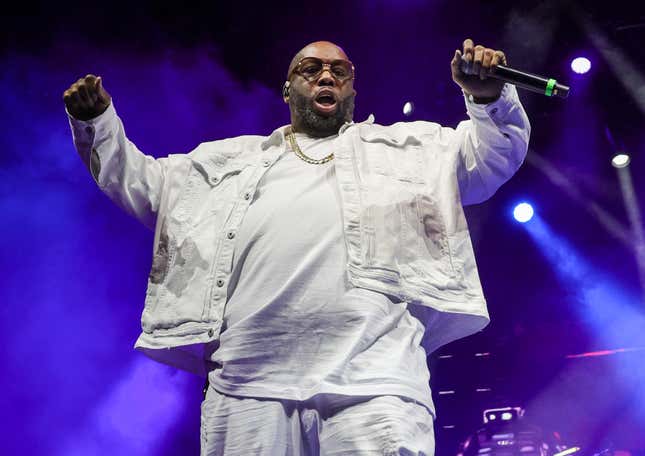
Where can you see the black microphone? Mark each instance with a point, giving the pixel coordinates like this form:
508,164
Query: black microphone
546,86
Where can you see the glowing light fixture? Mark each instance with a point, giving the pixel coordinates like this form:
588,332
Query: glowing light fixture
580,65
620,160
523,212
568,451
503,414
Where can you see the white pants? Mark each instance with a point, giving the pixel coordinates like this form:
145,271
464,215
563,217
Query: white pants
324,425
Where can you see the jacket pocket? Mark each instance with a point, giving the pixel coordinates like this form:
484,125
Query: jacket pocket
217,168
391,136
208,191
394,153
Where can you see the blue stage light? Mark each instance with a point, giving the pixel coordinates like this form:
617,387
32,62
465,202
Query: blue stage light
581,65
523,212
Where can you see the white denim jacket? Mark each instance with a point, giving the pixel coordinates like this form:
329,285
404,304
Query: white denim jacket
402,189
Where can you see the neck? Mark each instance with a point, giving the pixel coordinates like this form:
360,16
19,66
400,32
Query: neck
297,127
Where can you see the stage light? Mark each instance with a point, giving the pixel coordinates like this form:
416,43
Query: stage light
620,160
523,212
580,65
503,414
408,108
568,451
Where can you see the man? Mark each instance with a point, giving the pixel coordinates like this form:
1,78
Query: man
300,271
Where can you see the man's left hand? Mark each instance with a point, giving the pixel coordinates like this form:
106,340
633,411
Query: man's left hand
483,88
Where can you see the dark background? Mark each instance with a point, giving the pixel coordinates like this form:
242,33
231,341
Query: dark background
74,267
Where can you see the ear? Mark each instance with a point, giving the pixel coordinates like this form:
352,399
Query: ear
285,91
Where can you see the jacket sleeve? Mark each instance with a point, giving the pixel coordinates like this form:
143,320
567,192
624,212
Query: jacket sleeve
131,179
491,145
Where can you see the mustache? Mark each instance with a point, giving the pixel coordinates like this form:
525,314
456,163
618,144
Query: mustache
305,105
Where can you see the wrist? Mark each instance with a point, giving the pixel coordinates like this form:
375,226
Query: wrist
485,100
481,99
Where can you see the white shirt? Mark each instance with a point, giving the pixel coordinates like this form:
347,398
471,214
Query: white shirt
293,325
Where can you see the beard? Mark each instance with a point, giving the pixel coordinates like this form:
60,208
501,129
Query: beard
315,124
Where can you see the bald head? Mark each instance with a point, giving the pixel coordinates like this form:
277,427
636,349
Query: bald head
321,49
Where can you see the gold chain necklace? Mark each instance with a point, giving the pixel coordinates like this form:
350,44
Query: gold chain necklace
294,146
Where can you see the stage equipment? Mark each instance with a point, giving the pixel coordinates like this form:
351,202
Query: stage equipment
506,433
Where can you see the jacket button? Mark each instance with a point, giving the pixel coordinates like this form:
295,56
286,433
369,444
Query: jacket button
266,163
220,283
247,196
230,234
214,179
493,111
211,332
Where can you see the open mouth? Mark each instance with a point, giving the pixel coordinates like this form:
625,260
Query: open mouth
325,102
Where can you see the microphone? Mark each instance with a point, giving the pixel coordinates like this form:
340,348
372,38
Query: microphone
546,86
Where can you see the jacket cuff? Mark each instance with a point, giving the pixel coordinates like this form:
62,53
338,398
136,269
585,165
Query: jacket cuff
88,134
498,109
86,131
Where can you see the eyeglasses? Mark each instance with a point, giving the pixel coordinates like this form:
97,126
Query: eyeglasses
311,68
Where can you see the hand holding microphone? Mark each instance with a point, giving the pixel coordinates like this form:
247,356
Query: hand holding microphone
482,72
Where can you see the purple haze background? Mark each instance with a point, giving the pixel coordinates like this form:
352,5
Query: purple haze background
74,267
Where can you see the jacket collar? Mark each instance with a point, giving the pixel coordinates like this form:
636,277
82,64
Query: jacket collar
277,138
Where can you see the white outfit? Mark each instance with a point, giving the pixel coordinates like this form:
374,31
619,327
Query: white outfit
306,315
401,189
325,426
294,326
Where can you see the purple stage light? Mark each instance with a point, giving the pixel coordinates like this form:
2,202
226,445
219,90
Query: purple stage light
581,65
523,212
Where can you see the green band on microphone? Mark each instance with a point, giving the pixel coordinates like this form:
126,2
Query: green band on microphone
549,87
